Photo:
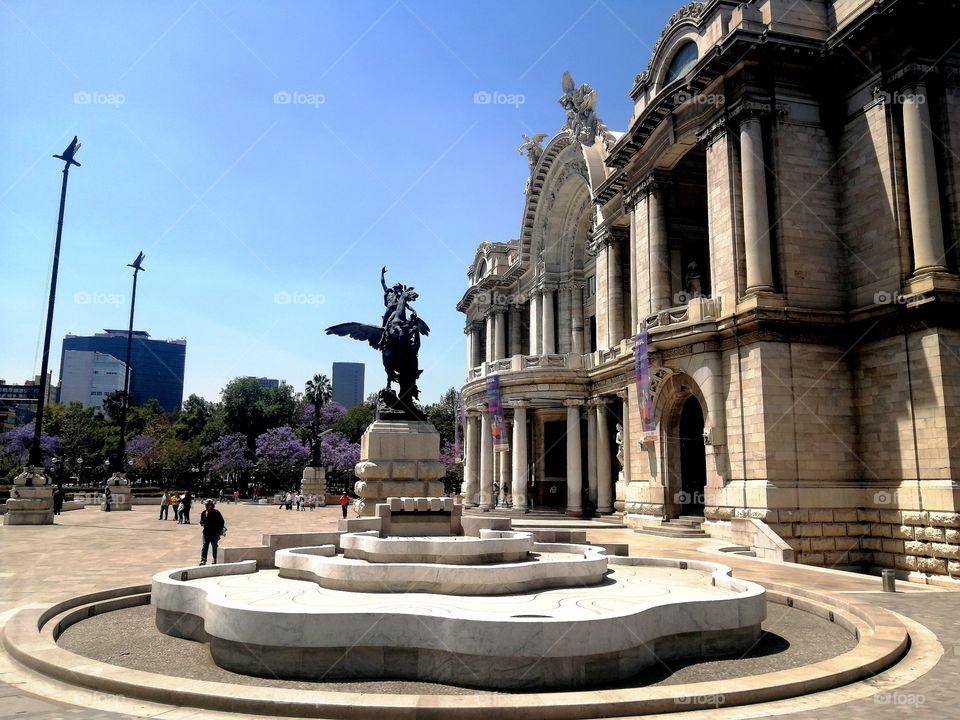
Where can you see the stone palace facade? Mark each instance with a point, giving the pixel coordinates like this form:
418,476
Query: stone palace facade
781,217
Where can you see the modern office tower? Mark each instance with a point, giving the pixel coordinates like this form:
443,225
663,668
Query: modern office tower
156,366
87,377
348,383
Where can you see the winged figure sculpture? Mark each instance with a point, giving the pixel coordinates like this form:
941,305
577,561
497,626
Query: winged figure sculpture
398,340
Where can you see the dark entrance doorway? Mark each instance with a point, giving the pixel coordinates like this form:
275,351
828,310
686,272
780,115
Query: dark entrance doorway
693,460
550,491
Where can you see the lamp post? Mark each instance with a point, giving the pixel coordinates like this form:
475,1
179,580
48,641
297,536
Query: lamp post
35,458
122,451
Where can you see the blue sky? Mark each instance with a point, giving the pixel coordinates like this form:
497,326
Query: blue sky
269,157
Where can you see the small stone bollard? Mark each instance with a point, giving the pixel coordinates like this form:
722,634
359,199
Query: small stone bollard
889,580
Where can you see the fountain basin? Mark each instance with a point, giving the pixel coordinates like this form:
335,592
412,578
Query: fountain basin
645,610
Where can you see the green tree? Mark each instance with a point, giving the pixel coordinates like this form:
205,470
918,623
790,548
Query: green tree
251,409
443,415
317,392
80,431
355,421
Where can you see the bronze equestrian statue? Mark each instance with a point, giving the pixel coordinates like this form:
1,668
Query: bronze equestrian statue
398,340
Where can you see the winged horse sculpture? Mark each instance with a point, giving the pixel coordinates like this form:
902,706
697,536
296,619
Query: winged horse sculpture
398,340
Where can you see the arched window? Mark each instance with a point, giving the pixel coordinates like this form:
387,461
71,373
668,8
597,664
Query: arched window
481,270
684,59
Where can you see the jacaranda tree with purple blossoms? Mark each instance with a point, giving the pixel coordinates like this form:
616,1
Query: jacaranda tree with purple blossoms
228,457
281,456
15,445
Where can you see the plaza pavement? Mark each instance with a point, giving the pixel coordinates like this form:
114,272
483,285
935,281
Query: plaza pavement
88,550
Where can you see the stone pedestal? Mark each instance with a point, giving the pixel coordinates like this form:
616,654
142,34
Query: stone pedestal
314,482
121,496
31,499
398,458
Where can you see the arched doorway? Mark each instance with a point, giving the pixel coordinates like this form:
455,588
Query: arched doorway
693,459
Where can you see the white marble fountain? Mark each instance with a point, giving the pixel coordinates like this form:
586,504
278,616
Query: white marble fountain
497,610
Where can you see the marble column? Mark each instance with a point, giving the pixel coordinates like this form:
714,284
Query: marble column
469,333
623,474
486,461
516,342
475,343
923,191
548,335
535,323
604,474
576,329
574,469
520,477
500,335
659,247
491,333
614,291
471,457
592,452
756,216
505,479
565,320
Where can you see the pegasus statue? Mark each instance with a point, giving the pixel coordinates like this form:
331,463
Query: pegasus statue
398,340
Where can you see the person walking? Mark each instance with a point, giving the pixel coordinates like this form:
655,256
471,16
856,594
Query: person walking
107,500
344,504
185,503
212,528
165,505
57,500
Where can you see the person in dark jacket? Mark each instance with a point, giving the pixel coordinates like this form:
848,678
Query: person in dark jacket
185,503
212,527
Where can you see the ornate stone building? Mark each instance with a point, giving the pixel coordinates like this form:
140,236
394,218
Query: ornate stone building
781,218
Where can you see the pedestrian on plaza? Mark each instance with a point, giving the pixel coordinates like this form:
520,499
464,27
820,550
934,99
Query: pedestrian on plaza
175,504
236,496
344,504
185,503
212,527
289,500
165,505
107,499
57,500
220,496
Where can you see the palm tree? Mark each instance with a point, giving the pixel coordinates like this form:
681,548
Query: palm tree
318,392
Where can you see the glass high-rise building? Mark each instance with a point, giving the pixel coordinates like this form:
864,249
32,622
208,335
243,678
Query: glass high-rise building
348,383
156,366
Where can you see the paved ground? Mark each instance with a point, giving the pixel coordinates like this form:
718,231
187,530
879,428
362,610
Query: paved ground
88,550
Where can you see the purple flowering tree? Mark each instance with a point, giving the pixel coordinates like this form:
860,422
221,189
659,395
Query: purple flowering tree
281,454
15,444
337,450
228,456
451,455
142,452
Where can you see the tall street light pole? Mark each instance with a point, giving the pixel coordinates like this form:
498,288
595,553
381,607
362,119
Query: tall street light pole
137,266
36,459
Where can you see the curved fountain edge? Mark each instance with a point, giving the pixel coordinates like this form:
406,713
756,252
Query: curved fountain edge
29,638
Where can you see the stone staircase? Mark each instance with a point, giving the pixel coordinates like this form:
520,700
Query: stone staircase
685,526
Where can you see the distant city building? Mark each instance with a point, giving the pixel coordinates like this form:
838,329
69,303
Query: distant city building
18,403
156,366
348,383
88,377
267,382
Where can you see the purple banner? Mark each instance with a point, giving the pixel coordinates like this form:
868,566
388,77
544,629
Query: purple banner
501,443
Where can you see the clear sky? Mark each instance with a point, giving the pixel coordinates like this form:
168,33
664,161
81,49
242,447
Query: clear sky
269,157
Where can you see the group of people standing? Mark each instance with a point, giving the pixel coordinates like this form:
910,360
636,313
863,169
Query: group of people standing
180,504
302,501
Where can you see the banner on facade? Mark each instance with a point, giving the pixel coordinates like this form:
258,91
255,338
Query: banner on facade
641,357
498,427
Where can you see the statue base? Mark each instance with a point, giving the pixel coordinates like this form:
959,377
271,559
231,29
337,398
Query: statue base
314,482
392,407
121,498
398,458
31,499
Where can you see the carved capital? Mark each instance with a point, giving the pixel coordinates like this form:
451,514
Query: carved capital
573,402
